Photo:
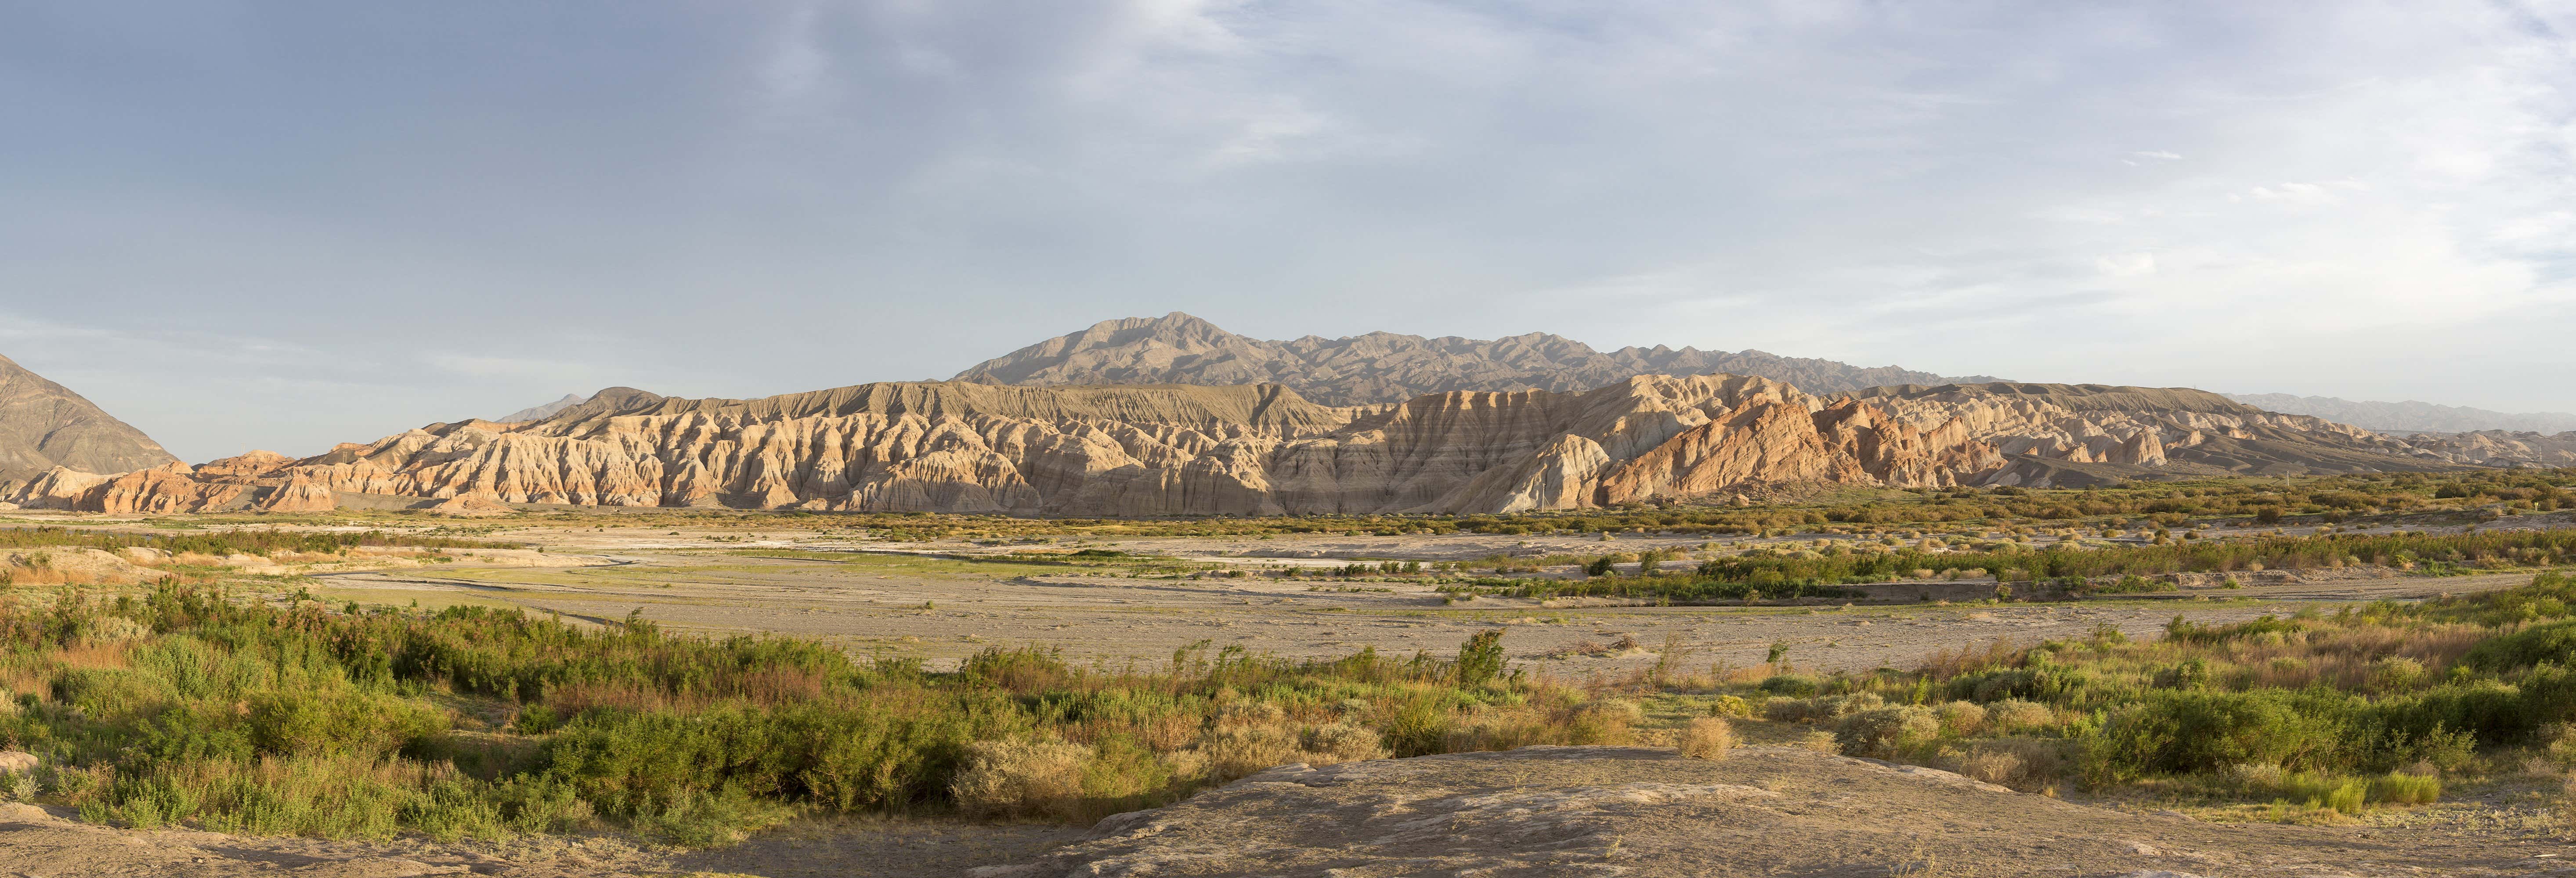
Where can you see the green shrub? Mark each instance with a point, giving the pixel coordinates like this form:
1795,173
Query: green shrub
1792,685
2547,643
1886,731
305,724
2406,789
1418,727
2395,674
1480,659
2193,732
248,716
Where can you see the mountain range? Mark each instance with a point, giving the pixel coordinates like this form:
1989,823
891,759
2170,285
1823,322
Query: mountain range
1385,367
2410,416
1173,416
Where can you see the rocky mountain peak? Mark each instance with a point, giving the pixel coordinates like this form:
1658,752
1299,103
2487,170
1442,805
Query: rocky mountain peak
44,425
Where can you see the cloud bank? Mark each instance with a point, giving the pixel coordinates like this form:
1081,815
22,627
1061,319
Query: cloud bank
255,224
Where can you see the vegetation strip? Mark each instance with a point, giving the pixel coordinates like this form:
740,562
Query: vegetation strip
185,706
232,542
1770,574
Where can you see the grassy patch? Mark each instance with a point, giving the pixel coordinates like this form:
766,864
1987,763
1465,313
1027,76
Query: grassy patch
188,707
2306,714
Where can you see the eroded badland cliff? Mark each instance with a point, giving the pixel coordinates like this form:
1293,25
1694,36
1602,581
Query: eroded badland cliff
1258,449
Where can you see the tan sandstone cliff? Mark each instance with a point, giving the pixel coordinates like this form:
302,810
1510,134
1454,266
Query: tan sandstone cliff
1258,449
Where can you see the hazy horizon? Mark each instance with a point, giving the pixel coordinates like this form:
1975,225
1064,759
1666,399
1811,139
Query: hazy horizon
253,225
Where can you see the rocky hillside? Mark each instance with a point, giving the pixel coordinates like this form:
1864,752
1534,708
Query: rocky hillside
2410,416
1383,367
1262,449
43,425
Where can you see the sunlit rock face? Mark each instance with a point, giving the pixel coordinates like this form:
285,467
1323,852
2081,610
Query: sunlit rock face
1260,449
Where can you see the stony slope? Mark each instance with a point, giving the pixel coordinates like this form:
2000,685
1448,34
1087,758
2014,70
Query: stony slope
1263,449
1647,813
1384,367
2410,416
44,425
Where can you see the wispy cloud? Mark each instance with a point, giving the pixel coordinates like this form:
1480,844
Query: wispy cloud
2365,199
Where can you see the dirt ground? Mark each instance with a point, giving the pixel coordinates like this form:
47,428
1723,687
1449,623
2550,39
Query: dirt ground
35,843
943,609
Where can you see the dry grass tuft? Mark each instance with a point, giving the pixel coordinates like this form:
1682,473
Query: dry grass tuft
1241,751
1962,718
2014,715
1708,737
1021,779
2025,764
1339,742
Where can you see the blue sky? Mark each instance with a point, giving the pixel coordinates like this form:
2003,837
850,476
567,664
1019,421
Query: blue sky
282,225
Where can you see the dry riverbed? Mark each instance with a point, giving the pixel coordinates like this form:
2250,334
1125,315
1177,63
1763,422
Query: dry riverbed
942,608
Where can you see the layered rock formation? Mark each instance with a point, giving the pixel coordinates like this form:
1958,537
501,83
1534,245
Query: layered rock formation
258,480
1260,449
44,425
1384,367
2075,434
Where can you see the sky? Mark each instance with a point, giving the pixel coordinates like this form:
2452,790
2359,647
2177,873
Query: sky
283,225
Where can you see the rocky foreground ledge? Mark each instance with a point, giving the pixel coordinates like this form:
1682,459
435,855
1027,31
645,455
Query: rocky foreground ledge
1537,811
1631,811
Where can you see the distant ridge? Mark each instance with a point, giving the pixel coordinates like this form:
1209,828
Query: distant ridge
542,412
2409,416
1386,367
45,425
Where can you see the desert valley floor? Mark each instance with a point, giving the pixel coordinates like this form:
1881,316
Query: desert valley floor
921,599
1538,811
